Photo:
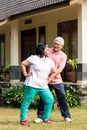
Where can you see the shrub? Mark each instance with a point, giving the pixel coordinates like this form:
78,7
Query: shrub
14,96
72,96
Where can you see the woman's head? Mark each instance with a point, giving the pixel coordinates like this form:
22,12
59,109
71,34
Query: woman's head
41,49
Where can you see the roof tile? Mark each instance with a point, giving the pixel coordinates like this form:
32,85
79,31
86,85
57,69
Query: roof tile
13,7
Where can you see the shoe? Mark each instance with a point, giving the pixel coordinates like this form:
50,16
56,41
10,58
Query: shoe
49,121
25,123
67,119
38,120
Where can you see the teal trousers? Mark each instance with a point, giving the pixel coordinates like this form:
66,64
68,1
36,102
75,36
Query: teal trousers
29,94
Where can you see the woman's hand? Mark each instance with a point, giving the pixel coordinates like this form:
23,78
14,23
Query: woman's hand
28,74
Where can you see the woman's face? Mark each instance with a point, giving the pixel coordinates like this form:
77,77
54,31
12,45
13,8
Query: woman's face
46,50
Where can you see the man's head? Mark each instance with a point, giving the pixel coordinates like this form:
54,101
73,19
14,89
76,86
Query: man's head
58,44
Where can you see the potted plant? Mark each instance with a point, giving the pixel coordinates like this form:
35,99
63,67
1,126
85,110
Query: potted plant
5,73
71,70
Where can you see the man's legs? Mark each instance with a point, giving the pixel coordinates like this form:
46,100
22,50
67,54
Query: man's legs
40,108
61,97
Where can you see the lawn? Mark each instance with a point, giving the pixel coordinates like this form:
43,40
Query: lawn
9,120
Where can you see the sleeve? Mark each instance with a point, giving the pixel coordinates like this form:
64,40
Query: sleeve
30,59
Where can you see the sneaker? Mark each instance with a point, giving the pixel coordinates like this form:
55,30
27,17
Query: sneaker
49,121
38,120
25,123
67,119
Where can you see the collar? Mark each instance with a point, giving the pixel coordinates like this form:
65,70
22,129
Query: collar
56,53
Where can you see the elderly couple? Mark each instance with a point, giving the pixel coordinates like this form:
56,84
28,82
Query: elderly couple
44,76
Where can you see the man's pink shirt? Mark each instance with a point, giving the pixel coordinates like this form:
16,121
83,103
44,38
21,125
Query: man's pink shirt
60,61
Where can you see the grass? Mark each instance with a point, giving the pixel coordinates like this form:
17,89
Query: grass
9,120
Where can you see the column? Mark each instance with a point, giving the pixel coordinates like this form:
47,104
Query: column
82,43
15,68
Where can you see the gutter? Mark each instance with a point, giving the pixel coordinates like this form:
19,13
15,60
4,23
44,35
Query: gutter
3,22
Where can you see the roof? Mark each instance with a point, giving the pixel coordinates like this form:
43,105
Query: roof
10,8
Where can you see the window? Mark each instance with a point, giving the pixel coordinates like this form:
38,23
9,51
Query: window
68,30
42,34
2,50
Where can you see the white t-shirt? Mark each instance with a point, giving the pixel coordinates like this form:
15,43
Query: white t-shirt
40,69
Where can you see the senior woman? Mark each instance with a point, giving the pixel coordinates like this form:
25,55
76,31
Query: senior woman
41,71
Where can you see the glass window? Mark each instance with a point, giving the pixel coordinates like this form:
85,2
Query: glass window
68,30
42,34
2,50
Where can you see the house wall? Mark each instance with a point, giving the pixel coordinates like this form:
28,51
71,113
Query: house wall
49,19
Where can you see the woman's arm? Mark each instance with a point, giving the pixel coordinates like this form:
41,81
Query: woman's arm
24,65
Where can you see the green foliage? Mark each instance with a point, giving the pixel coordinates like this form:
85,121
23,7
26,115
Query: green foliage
5,76
73,63
72,97
35,102
6,68
14,96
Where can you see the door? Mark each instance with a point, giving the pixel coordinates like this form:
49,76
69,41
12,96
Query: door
28,43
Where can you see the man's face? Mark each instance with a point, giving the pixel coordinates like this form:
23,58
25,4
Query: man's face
57,46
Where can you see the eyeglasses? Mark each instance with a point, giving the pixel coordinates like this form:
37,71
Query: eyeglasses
58,44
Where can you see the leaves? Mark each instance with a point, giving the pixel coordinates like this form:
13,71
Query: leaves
73,63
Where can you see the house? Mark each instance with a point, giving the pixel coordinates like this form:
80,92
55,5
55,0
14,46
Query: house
24,23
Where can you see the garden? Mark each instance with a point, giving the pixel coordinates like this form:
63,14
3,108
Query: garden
10,101
9,119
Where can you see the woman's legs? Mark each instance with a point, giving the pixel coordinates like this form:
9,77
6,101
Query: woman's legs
48,102
29,94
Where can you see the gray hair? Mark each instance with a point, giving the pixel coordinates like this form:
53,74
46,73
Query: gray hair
60,40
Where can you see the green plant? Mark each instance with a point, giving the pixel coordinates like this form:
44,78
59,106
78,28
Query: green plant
35,102
5,76
72,97
14,97
6,69
72,64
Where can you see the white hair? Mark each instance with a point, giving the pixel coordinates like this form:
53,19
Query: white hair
60,40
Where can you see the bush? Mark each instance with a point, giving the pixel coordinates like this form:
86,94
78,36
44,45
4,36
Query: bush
72,96
14,96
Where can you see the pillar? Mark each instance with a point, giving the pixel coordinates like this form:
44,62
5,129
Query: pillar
15,68
82,43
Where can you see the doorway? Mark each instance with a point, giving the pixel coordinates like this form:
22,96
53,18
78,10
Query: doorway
28,43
